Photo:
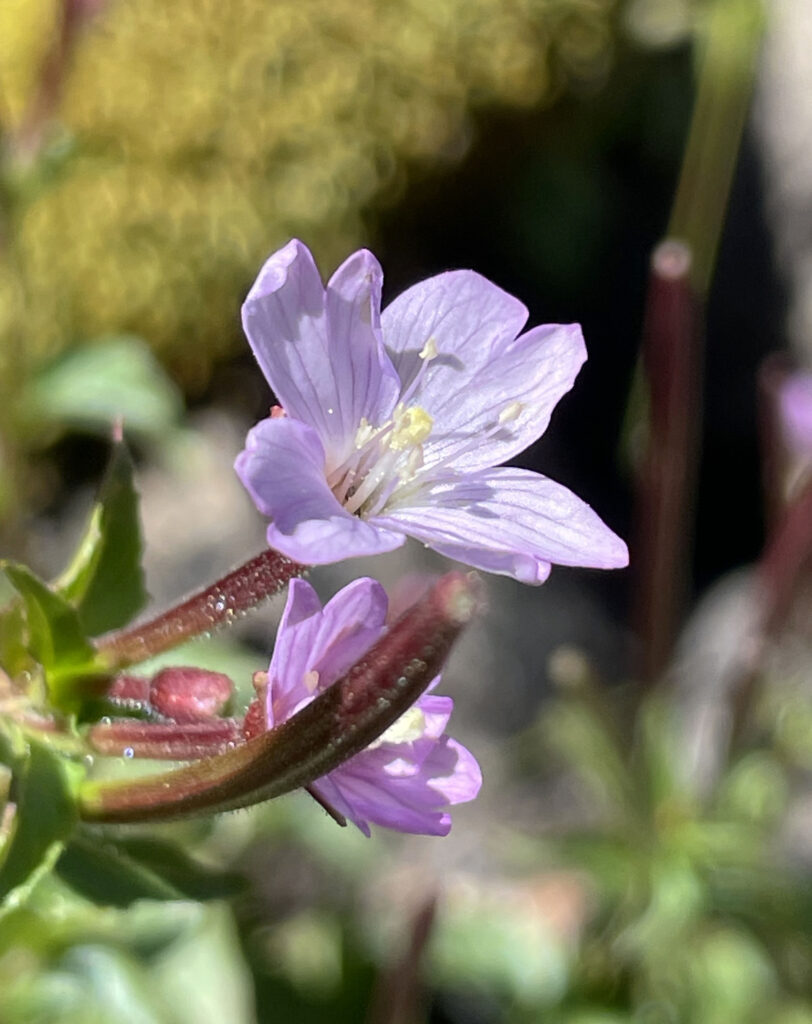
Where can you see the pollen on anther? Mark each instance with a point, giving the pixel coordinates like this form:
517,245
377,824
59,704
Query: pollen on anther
511,412
429,350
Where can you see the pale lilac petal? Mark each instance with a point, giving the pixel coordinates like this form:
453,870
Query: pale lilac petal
523,383
320,353
282,467
459,786
436,711
508,521
366,384
291,660
315,646
350,624
407,786
286,324
796,412
466,316
339,800
408,803
388,756
481,369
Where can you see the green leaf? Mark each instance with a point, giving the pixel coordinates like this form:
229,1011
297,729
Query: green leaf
14,655
185,873
100,872
57,641
105,581
91,387
43,789
116,872
205,969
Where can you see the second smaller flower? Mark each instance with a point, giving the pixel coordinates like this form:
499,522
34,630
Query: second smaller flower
407,779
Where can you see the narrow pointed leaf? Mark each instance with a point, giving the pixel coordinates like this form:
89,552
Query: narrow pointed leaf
57,641
105,581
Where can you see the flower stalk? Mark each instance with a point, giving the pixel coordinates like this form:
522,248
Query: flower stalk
671,360
217,605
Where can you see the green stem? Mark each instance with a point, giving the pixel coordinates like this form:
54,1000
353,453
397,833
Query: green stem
728,47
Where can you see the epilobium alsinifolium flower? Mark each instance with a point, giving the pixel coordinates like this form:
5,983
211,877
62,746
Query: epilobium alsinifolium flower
408,777
393,423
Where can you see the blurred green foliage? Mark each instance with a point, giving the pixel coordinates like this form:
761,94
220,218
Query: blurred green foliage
671,901
698,914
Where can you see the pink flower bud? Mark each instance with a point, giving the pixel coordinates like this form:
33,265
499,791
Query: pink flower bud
189,694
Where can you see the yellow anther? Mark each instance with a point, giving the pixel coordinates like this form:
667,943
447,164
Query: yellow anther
511,412
429,350
311,681
412,427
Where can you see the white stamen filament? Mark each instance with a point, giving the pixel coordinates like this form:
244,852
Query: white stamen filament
384,458
390,457
427,353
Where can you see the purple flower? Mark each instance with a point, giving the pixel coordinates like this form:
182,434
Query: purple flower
393,422
796,413
408,777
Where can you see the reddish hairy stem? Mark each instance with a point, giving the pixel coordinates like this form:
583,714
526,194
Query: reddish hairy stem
666,482
339,723
219,604
165,741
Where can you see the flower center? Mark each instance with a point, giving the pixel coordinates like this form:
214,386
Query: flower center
383,458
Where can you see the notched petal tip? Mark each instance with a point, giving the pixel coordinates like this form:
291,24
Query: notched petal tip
276,270
360,268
